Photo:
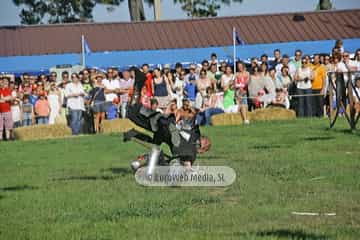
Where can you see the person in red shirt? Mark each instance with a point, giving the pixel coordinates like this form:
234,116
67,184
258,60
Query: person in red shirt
149,85
5,108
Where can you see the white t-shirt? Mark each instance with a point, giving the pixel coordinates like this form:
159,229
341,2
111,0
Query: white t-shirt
74,103
304,73
226,79
292,69
111,85
15,111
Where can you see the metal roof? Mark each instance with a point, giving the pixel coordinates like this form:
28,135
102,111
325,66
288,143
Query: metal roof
195,33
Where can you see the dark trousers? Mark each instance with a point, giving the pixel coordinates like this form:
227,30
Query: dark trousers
304,103
317,104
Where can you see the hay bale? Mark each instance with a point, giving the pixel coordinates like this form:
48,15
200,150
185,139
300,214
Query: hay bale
225,119
272,113
118,126
265,114
37,132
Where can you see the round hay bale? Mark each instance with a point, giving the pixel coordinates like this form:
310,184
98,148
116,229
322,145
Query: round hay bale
37,132
118,126
272,113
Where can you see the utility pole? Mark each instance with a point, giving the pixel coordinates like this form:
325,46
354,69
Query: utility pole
157,10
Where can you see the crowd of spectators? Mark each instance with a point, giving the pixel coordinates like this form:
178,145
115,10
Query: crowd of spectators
83,100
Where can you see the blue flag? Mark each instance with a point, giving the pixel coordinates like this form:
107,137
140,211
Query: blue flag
86,47
239,41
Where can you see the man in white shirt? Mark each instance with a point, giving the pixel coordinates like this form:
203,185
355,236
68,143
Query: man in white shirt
285,62
112,87
125,84
74,94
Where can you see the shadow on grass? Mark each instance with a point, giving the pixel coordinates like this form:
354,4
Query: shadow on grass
121,171
208,157
18,188
264,147
318,138
85,178
291,234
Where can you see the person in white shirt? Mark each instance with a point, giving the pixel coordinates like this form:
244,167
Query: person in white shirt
285,62
112,88
125,84
303,77
74,94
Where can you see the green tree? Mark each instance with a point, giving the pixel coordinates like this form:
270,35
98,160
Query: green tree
65,11
203,8
324,5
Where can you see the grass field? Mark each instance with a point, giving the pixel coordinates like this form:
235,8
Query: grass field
82,188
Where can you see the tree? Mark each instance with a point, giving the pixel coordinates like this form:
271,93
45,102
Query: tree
203,8
324,5
65,11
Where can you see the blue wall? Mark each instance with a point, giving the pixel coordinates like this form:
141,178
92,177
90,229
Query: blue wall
122,59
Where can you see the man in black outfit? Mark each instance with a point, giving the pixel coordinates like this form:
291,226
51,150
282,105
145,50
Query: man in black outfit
184,142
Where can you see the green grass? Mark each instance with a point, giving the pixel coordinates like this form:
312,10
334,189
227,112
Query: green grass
82,188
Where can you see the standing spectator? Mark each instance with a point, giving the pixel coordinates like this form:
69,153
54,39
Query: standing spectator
264,59
149,81
253,63
98,102
303,79
357,57
285,62
54,103
229,99
203,83
339,47
284,79
241,84
227,78
296,62
126,84
222,67
162,89
205,65
178,70
65,77
112,87
42,109
177,87
191,76
53,77
27,111
64,113
5,109
213,77
16,113
26,88
277,58
86,82
75,93
318,86
261,88
214,60
351,65
190,92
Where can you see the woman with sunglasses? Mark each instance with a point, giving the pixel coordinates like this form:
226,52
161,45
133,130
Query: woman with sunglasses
303,78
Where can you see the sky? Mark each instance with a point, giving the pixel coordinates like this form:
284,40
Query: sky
9,13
